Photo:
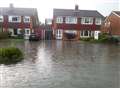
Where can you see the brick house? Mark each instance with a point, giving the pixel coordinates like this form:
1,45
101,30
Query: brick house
111,25
74,24
18,20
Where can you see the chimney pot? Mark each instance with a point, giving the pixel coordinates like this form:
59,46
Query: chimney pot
11,5
76,7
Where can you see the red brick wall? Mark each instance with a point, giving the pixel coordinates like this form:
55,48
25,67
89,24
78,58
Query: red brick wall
114,27
77,26
7,24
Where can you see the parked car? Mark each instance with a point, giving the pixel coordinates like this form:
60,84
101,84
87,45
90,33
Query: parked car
33,37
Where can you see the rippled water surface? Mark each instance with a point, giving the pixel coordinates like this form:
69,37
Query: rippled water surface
57,64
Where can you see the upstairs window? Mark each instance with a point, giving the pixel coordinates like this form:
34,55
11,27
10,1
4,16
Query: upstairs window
87,20
1,18
71,20
59,20
98,21
26,19
14,18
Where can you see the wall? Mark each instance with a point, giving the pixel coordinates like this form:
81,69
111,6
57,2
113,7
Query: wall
114,26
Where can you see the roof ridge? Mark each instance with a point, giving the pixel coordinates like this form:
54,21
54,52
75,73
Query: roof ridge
73,9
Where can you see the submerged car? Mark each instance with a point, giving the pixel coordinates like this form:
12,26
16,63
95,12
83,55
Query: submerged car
34,37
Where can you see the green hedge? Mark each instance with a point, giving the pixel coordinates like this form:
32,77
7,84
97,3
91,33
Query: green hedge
10,55
17,37
106,38
103,38
4,35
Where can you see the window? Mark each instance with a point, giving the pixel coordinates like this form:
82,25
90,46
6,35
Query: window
1,18
87,20
19,31
59,20
26,19
59,34
98,21
86,33
14,18
92,33
71,20
27,31
81,33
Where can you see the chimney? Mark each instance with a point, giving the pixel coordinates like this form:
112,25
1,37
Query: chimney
76,7
11,5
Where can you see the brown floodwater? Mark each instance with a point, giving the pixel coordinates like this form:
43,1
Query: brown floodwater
62,64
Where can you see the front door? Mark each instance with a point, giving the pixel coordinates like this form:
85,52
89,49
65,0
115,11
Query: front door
59,34
15,31
27,33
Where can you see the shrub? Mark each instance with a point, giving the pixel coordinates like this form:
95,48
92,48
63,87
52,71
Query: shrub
107,38
10,55
4,35
17,37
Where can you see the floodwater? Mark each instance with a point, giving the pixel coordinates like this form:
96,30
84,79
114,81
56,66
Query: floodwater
58,64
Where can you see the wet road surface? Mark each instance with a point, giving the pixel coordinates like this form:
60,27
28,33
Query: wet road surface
57,64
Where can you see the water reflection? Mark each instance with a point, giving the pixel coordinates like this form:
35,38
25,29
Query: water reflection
63,64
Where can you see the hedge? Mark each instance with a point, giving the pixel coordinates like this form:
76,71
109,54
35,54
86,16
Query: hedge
10,55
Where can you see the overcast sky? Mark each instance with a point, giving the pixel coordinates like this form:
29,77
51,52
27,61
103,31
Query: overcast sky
45,7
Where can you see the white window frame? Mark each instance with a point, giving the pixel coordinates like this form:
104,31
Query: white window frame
18,21
98,21
1,18
59,19
90,19
19,31
26,17
26,31
82,33
71,20
59,33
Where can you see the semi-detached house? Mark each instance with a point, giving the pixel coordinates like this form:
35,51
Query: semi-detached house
74,24
18,20
111,25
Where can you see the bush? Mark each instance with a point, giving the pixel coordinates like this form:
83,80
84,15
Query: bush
4,35
17,37
10,55
107,38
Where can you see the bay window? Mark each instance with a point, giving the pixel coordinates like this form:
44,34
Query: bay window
86,33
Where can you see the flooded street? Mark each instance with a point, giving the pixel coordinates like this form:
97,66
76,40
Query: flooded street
58,64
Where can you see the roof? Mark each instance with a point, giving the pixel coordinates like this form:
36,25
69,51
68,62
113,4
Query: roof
80,13
18,11
117,12
21,12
